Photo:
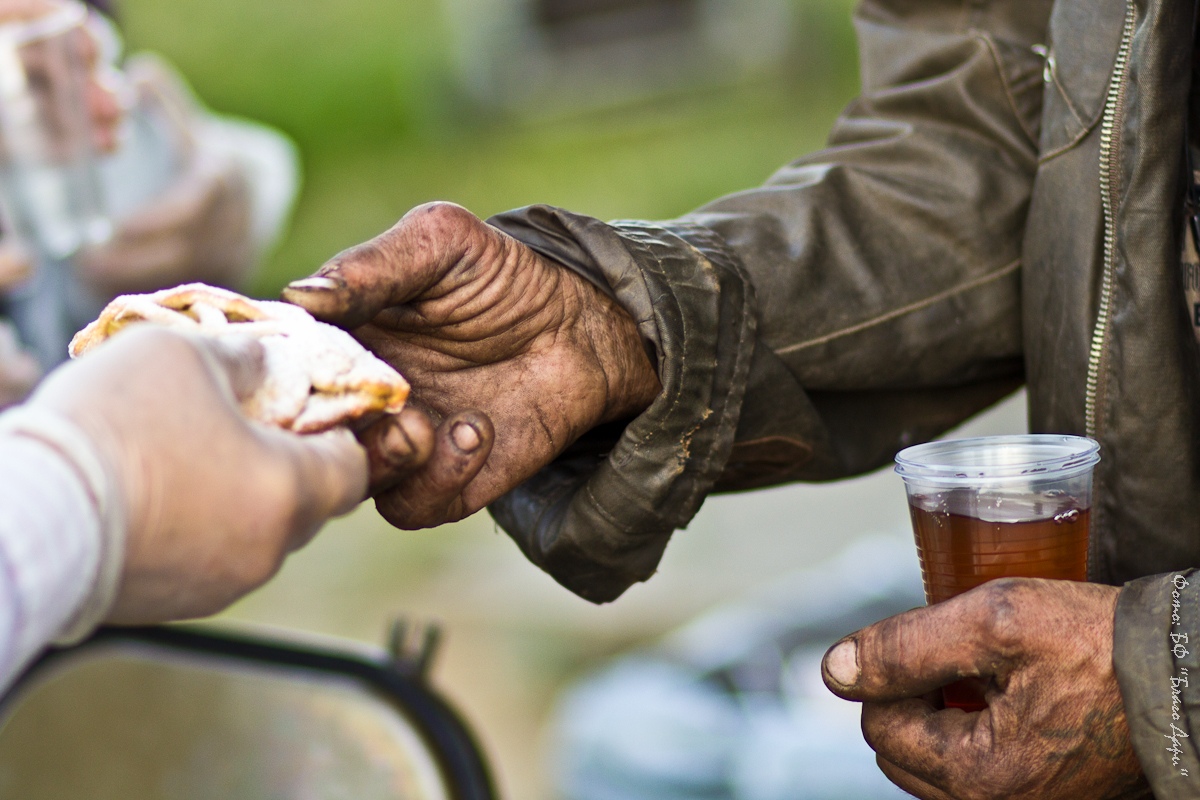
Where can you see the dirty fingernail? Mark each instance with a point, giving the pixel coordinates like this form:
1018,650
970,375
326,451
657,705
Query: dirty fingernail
841,663
465,437
397,444
317,283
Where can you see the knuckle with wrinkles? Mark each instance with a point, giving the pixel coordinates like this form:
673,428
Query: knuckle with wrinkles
370,254
993,784
442,216
966,774
1001,601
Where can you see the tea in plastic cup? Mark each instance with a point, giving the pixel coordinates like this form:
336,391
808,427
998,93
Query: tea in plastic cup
998,507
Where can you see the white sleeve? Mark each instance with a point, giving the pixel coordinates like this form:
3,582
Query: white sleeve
50,549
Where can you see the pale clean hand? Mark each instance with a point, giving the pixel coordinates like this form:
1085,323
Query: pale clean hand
213,502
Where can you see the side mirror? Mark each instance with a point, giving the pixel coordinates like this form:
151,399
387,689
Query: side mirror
184,713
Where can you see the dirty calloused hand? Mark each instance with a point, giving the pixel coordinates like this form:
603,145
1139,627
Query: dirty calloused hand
511,356
1055,726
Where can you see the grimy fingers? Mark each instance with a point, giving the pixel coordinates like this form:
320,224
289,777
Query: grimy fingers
910,783
397,445
946,749
432,494
917,651
393,268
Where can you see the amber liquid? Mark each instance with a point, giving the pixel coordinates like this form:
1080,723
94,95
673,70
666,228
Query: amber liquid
960,551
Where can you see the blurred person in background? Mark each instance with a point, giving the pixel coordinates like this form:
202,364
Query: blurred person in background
133,490
1008,201
19,371
193,196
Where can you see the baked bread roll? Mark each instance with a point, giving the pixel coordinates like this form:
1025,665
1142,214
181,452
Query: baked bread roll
317,376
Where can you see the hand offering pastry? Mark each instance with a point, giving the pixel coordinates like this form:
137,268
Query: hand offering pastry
318,376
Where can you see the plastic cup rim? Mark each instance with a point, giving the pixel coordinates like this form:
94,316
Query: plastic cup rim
918,463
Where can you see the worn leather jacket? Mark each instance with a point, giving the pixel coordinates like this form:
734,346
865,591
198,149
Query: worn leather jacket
1002,204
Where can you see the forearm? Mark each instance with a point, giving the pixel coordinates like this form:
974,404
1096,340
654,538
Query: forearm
50,535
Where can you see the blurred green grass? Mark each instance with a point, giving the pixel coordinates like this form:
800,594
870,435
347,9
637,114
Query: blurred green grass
367,89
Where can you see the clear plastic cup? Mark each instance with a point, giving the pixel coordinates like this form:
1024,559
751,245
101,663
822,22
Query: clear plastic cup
50,192
998,507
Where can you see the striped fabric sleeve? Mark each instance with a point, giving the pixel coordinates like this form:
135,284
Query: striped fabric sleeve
50,549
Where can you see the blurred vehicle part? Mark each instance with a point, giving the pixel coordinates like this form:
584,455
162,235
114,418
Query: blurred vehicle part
183,713
547,56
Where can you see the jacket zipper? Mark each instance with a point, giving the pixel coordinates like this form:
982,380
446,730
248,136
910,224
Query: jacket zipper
1110,165
1110,151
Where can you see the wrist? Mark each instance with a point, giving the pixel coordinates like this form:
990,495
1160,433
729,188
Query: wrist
630,377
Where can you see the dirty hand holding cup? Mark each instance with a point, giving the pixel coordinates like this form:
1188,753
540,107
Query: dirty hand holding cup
1054,727
998,507
1004,685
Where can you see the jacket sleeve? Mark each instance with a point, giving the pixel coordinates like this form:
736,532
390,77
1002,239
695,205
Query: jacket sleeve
863,299
1156,655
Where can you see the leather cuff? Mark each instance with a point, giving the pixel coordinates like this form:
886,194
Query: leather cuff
598,519
1156,655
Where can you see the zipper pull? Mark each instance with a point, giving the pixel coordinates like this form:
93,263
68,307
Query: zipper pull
1192,199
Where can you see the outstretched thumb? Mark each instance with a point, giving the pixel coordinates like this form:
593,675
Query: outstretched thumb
395,267
915,652
331,475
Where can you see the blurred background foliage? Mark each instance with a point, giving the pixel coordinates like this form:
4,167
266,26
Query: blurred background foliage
370,92
374,94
